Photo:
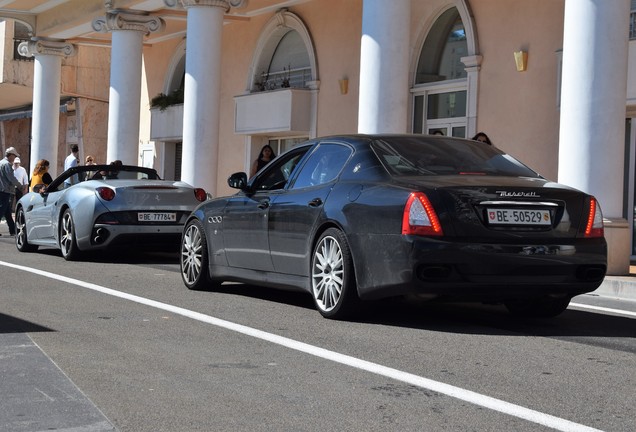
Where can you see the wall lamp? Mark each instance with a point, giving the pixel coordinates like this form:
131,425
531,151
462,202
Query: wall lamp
344,85
521,60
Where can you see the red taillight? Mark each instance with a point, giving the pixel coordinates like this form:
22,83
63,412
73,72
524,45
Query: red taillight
594,226
105,193
200,194
419,217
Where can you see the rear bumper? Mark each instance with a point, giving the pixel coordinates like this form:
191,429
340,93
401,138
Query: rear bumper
104,236
413,265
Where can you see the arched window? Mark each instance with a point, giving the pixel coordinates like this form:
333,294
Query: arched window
440,87
445,45
284,56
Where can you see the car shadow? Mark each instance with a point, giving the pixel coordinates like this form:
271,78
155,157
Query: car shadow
137,255
460,318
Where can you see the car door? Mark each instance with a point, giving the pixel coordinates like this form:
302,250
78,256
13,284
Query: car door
293,214
43,213
246,215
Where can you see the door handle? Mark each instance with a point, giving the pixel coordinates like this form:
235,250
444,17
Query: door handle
316,202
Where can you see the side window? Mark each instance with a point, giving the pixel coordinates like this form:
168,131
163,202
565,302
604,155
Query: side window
323,166
278,171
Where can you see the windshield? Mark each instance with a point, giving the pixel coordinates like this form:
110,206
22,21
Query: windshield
409,156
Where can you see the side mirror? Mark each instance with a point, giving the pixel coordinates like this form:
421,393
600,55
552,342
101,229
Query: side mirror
237,181
39,188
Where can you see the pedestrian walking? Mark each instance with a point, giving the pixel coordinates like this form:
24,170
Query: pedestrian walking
8,183
23,177
70,162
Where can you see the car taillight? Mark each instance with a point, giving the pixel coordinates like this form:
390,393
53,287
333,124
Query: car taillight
105,193
200,194
594,226
419,217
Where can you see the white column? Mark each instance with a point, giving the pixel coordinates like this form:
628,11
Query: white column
47,72
593,94
384,65
202,90
128,29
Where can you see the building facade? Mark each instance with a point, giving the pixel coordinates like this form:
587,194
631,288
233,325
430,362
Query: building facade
195,88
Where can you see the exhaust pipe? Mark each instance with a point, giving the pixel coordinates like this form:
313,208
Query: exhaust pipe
100,235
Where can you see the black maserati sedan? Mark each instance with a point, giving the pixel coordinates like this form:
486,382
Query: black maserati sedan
356,218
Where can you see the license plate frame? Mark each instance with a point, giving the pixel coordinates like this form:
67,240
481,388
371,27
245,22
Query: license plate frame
169,217
519,217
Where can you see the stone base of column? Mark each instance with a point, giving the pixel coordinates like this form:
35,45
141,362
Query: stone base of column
618,236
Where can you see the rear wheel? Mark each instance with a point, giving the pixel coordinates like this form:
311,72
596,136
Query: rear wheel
194,259
333,284
21,240
68,241
541,307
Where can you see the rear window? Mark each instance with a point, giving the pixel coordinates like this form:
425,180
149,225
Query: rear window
409,156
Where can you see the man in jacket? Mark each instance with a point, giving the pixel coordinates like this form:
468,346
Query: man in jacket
8,183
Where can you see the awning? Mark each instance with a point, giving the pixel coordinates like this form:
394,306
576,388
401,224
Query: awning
27,111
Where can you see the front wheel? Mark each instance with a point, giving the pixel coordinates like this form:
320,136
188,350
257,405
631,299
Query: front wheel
68,241
541,307
194,259
21,240
333,284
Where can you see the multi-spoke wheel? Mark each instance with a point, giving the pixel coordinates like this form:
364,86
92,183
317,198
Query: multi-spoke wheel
68,242
21,240
332,278
541,307
194,257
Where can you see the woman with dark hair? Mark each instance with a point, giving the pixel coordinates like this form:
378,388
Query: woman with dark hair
482,137
40,174
264,157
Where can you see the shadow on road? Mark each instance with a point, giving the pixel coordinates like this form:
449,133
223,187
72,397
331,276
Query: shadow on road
462,318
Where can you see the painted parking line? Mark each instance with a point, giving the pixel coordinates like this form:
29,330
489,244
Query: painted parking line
472,397
604,309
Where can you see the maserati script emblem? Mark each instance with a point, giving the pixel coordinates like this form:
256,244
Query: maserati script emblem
506,194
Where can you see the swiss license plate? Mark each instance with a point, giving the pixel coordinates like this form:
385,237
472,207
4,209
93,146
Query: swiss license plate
501,216
156,217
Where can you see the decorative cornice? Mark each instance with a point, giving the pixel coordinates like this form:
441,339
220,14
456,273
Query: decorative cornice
43,46
128,20
225,4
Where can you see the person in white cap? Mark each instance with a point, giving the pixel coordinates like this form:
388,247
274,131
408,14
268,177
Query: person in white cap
23,177
8,183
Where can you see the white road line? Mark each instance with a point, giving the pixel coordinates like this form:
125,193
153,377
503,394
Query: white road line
436,386
604,309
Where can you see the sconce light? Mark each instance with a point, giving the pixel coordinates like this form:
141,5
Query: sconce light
344,85
521,60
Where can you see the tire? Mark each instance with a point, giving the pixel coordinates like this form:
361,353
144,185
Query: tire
541,307
68,241
333,284
194,258
21,239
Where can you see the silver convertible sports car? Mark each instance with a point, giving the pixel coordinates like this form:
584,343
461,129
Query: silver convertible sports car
366,217
109,205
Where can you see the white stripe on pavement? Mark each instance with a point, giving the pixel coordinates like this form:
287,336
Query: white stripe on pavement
436,386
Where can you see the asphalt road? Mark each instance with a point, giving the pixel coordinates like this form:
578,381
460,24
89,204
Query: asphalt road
117,342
